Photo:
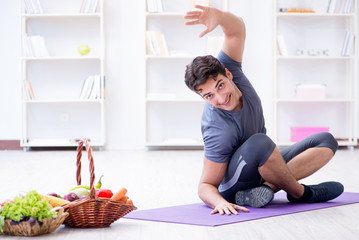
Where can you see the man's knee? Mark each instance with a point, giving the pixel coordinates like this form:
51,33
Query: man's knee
261,146
326,139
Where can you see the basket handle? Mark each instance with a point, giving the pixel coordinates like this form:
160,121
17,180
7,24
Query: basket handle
85,142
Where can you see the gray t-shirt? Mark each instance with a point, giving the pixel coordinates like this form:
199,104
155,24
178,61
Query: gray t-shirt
224,131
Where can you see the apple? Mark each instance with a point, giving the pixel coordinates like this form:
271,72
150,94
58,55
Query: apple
84,49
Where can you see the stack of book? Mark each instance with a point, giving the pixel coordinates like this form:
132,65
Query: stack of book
154,6
91,88
156,43
34,46
33,6
340,6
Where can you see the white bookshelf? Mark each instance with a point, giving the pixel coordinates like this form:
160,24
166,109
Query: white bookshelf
173,112
56,116
314,43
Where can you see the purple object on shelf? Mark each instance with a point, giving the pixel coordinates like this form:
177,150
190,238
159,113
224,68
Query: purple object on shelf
199,213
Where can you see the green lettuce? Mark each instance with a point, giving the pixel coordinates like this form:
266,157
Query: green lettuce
32,205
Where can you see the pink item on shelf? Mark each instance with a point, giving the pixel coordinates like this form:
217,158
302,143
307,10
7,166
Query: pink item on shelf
299,133
310,91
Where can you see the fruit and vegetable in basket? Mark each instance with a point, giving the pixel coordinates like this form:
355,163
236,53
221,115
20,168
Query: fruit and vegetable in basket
83,191
31,208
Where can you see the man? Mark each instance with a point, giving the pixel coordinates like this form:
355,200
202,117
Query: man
242,166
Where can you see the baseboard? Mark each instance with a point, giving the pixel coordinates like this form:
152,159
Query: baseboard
10,145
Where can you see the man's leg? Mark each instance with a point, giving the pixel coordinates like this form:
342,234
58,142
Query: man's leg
303,159
259,155
308,156
277,175
242,173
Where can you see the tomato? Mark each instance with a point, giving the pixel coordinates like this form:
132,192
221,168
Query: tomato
105,193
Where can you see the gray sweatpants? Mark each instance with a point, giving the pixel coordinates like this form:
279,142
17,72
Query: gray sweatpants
242,170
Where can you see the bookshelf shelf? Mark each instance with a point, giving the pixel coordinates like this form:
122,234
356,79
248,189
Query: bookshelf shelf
340,143
51,101
325,58
288,100
176,143
166,96
59,102
172,57
312,49
174,100
165,14
57,143
315,15
61,15
54,58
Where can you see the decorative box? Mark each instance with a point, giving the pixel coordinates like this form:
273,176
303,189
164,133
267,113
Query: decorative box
310,91
299,133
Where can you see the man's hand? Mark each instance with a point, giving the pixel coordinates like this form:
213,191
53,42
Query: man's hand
228,208
210,17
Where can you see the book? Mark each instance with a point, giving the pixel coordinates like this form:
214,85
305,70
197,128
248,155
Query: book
154,6
33,7
347,6
94,6
28,7
347,44
149,44
34,46
29,91
91,88
83,4
89,6
38,7
162,45
339,6
282,48
96,87
86,88
156,43
25,89
199,2
331,6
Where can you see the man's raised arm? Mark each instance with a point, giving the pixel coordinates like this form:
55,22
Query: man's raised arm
233,28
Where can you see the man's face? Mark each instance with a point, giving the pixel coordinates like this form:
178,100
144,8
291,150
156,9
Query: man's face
221,92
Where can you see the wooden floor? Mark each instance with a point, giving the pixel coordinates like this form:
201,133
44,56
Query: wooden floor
166,178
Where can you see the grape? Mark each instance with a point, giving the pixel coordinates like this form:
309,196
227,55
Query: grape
53,194
12,222
32,221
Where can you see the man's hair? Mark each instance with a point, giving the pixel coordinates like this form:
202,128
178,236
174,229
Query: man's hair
201,69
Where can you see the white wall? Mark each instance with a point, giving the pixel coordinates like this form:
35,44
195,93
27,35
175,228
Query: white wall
10,107
124,28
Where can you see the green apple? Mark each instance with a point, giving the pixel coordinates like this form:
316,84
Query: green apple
84,49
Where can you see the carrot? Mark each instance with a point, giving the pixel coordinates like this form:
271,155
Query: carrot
119,194
129,201
124,199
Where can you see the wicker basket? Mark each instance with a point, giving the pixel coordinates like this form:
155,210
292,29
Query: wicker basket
93,212
25,229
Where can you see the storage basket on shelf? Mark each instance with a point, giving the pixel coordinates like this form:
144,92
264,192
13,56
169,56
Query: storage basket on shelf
93,212
48,225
